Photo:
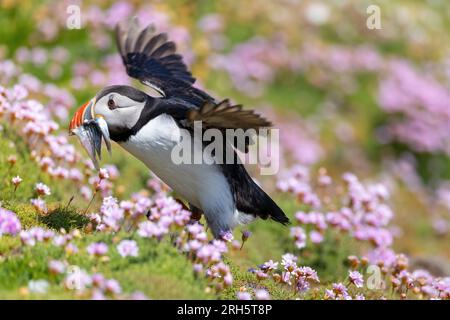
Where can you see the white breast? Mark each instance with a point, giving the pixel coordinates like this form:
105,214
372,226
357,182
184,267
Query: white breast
203,185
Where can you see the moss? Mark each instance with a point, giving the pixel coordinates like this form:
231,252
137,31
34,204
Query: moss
64,218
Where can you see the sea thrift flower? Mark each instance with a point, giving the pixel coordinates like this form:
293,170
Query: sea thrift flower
137,295
42,189
270,265
198,268
356,278
340,290
245,235
242,295
12,159
9,223
148,229
27,239
316,237
97,249
98,295
228,279
262,294
98,280
59,240
103,174
128,248
71,248
300,237
112,287
227,236
16,182
39,205
56,267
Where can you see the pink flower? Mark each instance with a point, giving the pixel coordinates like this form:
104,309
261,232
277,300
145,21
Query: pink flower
299,236
340,290
262,294
71,248
270,265
42,189
242,295
56,267
103,174
356,278
16,181
137,295
316,237
113,287
97,249
39,205
227,236
9,223
128,248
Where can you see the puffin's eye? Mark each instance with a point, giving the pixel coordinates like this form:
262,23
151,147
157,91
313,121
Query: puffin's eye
111,104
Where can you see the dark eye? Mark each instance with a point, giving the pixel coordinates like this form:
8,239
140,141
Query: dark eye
111,104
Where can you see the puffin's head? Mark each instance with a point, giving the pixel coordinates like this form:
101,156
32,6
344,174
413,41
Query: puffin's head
119,106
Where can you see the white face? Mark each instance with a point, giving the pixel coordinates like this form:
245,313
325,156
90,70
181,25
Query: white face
118,110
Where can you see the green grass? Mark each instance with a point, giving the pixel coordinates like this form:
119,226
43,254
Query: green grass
160,271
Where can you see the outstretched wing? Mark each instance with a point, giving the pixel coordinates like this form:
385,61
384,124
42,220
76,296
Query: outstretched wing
151,58
223,115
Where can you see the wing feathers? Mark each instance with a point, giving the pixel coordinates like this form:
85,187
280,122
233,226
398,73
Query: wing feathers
144,38
152,59
226,116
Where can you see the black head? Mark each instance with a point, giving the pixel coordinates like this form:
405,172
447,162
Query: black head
124,109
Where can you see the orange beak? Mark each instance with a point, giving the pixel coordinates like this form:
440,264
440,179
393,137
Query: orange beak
86,112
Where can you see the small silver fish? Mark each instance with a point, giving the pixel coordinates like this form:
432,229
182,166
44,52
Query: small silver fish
91,133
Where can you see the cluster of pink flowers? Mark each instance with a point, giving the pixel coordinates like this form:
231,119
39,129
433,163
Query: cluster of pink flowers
252,64
363,214
164,213
52,152
156,217
128,248
9,223
206,255
260,294
425,121
397,277
95,286
288,273
33,235
97,249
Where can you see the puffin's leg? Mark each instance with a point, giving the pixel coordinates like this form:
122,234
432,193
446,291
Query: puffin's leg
196,212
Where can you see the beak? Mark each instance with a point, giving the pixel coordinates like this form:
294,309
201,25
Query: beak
83,114
90,129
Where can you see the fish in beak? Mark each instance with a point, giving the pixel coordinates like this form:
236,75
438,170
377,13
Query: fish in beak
90,129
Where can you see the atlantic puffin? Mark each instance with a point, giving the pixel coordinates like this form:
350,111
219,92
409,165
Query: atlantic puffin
149,126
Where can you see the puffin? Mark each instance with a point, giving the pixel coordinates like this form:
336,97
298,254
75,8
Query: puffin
150,124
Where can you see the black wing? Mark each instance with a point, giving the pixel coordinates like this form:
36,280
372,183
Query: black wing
222,116
226,116
151,58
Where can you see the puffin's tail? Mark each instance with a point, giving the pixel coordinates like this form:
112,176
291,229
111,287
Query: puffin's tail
250,198
265,207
